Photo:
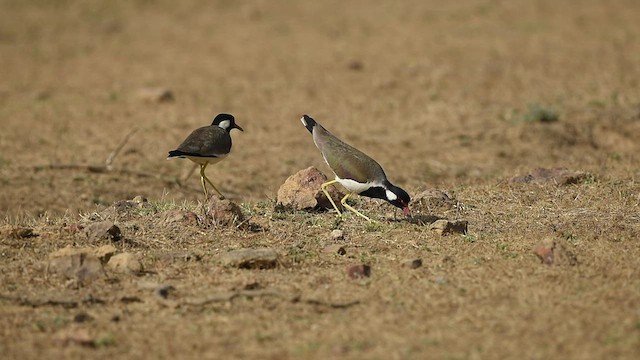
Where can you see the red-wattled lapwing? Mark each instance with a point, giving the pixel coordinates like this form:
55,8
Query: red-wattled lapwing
354,170
208,145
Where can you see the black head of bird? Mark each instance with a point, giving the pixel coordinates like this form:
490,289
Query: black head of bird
226,122
354,170
208,145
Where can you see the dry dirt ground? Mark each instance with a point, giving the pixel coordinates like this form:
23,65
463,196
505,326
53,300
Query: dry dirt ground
459,96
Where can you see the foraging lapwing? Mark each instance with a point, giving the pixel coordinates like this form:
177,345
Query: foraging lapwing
354,170
208,145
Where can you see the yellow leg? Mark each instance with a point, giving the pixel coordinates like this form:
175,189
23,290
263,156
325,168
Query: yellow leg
344,203
204,177
204,186
326,193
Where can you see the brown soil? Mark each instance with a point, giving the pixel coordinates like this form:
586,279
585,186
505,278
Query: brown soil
461,97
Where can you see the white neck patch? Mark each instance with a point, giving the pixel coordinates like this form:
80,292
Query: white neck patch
225,124
391,196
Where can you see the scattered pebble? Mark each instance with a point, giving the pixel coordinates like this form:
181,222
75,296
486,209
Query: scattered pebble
446,227
412,263
301,191
359,271
103,230
561,176
356,65
335,249
82,317
337,234
554,252
262,258
163,291
224,212
125,263
155,95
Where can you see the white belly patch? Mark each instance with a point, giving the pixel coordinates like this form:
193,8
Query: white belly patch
355,186
204,160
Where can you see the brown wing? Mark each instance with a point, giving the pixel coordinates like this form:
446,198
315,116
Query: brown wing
207,141
346,161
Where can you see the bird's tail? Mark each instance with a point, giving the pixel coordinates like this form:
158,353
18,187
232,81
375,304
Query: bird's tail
175,154
308,122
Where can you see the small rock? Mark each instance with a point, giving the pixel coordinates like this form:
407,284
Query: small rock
180,216
103,230
337,234
301,191
163,291
446,227
430,201
104,253
356,65
125,263
224,212
76,263
155,95
561,176
263,258
334,249
359,271
412,263
553,252
82,317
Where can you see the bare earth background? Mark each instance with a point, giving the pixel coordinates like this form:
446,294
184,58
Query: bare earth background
443,94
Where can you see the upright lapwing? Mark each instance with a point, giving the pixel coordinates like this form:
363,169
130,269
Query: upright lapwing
208,145
354,170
